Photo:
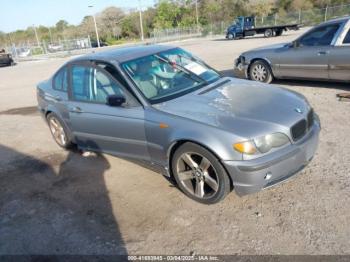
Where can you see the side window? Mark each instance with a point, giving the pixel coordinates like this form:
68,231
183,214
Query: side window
92,85
320,36
60,82
347,38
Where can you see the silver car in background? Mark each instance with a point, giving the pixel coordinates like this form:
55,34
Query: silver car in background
322,53
162,105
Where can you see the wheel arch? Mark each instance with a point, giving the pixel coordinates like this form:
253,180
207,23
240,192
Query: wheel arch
49,111
264,59
178,143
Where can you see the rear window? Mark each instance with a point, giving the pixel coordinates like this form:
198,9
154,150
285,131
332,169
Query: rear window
60,82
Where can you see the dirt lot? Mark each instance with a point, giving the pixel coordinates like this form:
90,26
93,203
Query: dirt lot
57,202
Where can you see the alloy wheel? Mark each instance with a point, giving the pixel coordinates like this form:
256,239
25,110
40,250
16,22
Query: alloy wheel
259,73
58,132
197,175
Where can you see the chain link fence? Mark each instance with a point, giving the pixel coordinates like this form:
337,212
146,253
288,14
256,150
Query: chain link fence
309,17
173,34
29,51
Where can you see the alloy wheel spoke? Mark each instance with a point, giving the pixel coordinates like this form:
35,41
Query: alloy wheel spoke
53,130
211,182
62,137
205,164
189,161
57,134
185,175
53,122
199,190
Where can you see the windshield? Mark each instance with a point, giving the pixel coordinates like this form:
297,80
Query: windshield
170,74
239,21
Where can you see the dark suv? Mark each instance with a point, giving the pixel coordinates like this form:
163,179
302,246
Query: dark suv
6,59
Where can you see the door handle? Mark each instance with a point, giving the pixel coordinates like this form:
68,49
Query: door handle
76,109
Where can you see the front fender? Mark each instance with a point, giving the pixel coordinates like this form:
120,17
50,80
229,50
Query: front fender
162,140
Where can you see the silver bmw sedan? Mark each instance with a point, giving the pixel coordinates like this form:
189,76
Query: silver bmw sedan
163,105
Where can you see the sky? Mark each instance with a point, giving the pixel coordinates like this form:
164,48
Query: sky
20,14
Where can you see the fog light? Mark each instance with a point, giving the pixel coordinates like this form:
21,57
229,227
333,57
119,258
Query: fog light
268,176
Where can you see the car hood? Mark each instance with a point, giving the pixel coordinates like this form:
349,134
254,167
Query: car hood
245,107
269,47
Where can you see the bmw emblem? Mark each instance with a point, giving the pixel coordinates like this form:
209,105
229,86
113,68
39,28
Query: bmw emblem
298,110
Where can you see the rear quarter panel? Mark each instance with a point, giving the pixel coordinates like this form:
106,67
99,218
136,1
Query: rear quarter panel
48,104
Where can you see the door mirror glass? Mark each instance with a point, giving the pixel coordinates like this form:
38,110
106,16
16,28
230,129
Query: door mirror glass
115,100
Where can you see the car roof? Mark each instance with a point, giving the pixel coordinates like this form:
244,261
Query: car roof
124,53
336,20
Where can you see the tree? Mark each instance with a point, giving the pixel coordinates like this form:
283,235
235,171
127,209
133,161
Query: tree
261,8
130,26
108,21
86,27
167,14
61,25
2,39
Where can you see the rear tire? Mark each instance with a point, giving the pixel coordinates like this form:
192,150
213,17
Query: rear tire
260,71
268,33
279,32
59,132
199,174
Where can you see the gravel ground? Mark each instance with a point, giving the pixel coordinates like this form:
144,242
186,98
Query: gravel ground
58,202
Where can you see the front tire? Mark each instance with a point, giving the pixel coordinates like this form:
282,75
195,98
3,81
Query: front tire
59,132
230,37
260,71
199,174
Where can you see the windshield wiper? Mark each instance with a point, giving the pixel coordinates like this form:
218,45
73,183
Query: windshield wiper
183,69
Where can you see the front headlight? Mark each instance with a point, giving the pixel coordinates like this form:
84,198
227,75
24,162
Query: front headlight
266,143
262,144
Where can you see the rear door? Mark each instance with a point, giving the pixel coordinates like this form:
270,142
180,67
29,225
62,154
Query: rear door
309,59
97,126
339,58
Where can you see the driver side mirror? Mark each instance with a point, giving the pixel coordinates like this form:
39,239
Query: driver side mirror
115,100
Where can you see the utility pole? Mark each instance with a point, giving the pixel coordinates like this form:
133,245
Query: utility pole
326,13
50,35
36,35
197,18
141,25
96,31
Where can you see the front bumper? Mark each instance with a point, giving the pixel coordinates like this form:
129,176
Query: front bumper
240,67
251,176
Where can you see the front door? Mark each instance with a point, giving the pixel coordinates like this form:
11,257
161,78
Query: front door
98,126
310,57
